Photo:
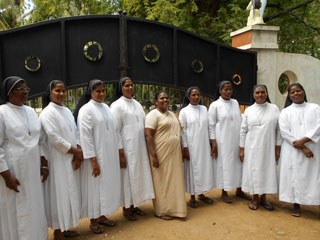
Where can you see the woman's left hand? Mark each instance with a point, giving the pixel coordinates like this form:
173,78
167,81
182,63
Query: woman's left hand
300,142
186,154
277,152
44,173
44,170
76,162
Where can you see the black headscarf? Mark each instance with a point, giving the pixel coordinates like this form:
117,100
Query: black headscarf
117,93
46,99
86,96
288,100
219,88
186,100
9,84
254,89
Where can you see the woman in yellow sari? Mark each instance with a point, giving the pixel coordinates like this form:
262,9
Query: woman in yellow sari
163,132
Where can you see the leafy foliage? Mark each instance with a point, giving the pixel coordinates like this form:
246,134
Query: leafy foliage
214,19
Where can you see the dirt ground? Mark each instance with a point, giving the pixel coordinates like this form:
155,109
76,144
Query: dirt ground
217,221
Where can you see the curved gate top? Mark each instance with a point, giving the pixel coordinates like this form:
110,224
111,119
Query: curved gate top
105,47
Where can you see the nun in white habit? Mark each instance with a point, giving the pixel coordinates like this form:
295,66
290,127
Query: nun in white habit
300,153
224,131
21,199
62,190
100,172
260,144
198,163
136,179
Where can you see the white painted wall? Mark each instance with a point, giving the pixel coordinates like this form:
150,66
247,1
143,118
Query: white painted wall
300,68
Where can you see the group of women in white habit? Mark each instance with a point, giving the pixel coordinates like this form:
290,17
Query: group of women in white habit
102,158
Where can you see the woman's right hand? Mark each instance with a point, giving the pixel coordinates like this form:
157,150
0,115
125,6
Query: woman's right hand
12,183
307,152
241,154
95,167
214,149
123,160
155,162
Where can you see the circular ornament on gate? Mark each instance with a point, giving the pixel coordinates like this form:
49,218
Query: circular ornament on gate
236,79
93,51
32,63
197,66
151,53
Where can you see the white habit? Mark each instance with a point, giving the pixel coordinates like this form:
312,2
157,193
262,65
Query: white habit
224,126
22,214
101,194
62,188
136,180
259,136
299,175
198,171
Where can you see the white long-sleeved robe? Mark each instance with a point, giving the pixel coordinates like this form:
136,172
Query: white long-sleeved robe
62,188
259,135
198,171
22,214
129,118
101,194
300,176
224,126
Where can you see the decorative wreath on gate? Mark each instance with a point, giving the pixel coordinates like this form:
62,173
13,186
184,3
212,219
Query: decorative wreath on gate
93,51
236,79
32,63
197,66
151,53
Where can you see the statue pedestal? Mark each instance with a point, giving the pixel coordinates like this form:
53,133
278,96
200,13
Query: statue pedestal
256,37
264,40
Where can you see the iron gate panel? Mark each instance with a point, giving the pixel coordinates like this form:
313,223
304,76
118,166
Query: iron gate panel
237,62
140,34
122,46
81,31
41,42
191,49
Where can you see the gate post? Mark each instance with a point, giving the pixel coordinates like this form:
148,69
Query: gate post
123,44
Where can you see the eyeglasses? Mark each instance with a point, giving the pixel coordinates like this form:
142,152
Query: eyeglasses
23,89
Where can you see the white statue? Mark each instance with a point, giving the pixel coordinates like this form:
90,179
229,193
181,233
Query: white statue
263,7
254,16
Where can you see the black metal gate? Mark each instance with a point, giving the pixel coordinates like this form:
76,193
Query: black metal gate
78,49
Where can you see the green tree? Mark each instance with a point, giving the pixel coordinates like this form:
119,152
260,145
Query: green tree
11,14
51,9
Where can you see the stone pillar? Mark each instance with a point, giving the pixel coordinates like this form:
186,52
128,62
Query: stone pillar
264,40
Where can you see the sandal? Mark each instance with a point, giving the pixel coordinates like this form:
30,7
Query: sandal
71,233
296,212
193,204
165,217
226,199
267,205
253,205
138,211
206,200
244,196
96,229
130,216
106,222
58,235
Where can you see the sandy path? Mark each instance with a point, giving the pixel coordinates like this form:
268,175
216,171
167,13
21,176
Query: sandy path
217,221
